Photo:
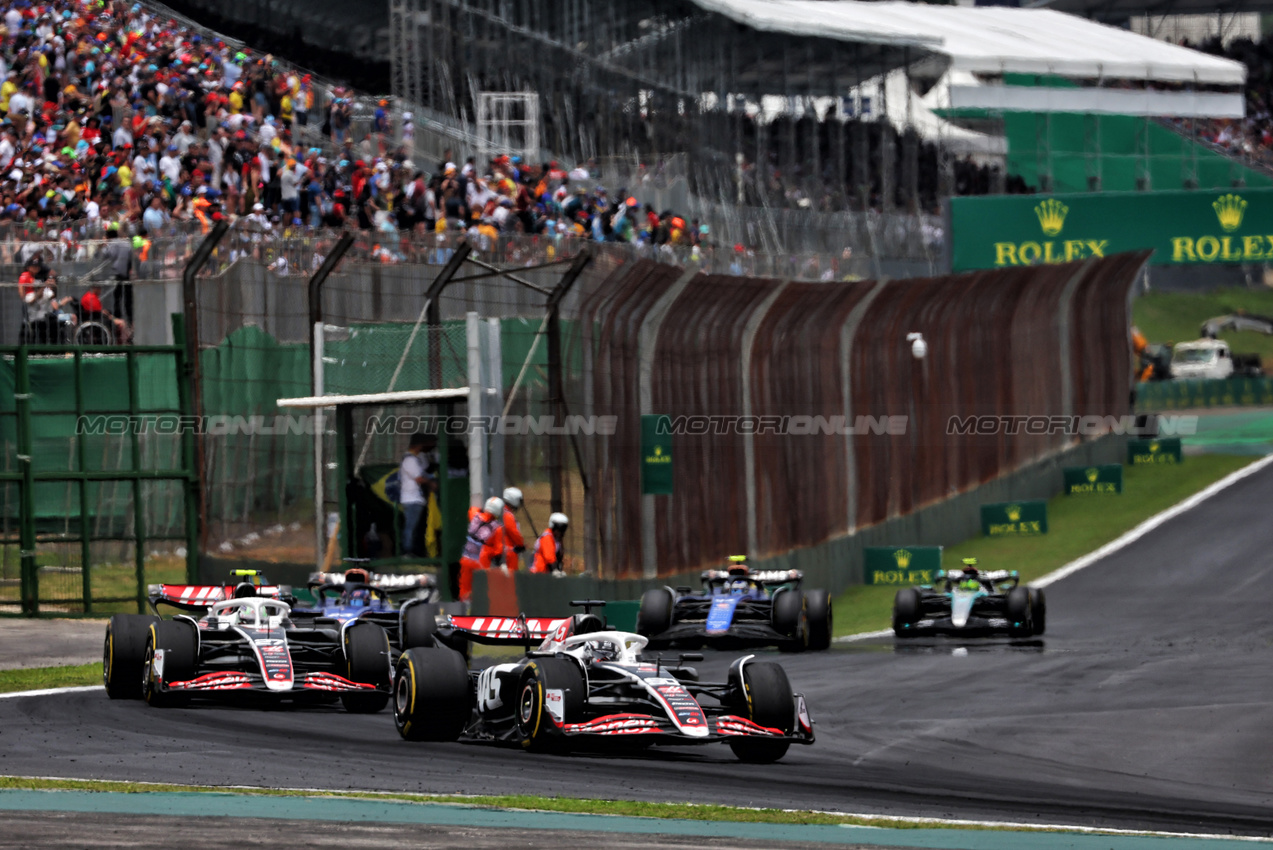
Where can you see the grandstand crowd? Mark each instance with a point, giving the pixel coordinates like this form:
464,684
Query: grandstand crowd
111,115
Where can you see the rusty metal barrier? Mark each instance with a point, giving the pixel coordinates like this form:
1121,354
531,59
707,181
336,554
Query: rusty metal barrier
842,427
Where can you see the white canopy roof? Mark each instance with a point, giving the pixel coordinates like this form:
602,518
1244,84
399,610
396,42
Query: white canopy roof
989,39
399,397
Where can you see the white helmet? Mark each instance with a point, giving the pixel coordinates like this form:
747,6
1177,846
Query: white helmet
558,519
513,498
494,506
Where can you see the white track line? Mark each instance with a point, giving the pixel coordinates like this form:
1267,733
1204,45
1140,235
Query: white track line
47,692
1121,542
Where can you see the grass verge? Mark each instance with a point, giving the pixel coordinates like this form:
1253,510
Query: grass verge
36,678
1076,525
528,802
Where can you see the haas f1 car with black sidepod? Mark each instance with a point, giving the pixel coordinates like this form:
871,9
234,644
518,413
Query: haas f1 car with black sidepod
968,601
241,641
587,685
738,607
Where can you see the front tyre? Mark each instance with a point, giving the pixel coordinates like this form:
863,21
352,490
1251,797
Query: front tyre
791,618
550,694
1039,608
171,654
1019,613
907,610
655,614
124,655
818,608
432,696
367,663
766,700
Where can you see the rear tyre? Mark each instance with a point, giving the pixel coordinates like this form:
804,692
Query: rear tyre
906,611
655,614
179,644
419,625
124,655
818,607
1017,608
768,701
432,697
791,618
537,725
367,662
1039,608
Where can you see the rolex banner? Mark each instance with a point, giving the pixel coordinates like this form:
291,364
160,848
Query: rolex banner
904,566
1014,519
1151,452
1093,480
1182,227
656,455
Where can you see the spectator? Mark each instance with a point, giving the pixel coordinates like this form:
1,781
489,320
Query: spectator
118,252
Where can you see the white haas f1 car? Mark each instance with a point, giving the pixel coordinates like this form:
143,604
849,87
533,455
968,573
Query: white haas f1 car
968,601
242,643
586,685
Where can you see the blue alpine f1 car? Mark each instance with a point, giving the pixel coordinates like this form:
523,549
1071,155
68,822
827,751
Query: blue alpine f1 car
969,601
737,608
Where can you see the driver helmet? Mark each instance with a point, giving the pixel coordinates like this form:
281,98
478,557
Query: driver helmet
738,587
602,650
360,598
970,584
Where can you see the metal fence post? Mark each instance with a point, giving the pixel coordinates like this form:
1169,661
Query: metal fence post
190,478
190,305
30,580
139,516
556,386
86,554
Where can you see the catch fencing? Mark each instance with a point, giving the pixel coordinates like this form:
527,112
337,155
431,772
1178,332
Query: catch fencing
1045,343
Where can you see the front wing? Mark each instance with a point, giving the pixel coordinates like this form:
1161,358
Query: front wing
943,625
740,635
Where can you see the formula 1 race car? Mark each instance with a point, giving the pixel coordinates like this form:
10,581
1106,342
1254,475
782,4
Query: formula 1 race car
970,601
738,608
243,643
405,606
586,685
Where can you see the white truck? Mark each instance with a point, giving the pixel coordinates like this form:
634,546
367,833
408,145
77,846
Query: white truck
1211,358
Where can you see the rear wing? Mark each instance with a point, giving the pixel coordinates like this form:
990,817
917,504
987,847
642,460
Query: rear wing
509,631
387,582
194,597
765,577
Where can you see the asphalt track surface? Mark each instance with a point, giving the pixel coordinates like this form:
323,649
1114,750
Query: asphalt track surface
1149,704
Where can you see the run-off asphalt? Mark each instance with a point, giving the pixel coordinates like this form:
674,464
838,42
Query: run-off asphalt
1149,703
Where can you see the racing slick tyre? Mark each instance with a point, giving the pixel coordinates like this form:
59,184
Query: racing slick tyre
124,655
172,648
1019,613
654,617
791,618
366,662
419,625
906,611
1039,608
432,697
536,723
765,698
817,604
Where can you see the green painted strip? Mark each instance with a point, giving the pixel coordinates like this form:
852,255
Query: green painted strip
175,804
